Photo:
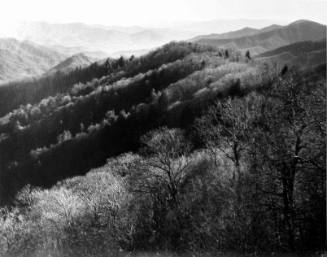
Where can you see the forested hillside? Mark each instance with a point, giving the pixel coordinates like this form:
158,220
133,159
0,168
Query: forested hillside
141,94
188,148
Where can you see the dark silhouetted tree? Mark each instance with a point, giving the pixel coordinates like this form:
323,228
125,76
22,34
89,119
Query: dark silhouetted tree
247,55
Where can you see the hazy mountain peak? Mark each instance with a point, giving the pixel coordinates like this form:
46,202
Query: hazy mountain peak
303,21
79,60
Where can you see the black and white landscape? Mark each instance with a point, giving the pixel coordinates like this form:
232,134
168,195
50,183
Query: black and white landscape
135,135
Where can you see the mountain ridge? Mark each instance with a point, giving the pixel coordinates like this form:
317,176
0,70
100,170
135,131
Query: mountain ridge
301,30
246,31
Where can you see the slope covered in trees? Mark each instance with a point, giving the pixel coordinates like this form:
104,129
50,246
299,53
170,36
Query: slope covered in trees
106,116
199,149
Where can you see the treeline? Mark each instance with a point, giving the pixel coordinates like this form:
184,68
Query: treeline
246,175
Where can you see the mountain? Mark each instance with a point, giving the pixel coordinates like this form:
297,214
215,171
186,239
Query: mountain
73,62
301,30
25,59
303,54
237,33
73,38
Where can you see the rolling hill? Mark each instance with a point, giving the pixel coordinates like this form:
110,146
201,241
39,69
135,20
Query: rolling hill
301,30
25,59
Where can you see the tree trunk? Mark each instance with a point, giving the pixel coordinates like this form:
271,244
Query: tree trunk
288,177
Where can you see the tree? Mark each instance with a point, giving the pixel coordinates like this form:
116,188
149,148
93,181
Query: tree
166,164
121,62
64,136
284,70
247,55
226,54
225,128
160,182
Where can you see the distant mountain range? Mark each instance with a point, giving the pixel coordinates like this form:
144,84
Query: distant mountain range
259,41
25,59
44,48
79,37
73,38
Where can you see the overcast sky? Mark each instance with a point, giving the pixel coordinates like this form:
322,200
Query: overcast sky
158,12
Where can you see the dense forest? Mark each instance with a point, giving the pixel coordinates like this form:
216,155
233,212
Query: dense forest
187,148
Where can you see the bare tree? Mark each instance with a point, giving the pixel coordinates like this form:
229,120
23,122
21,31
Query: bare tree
167,164
226,129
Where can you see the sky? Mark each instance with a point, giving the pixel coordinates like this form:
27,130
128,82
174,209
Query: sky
157,12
